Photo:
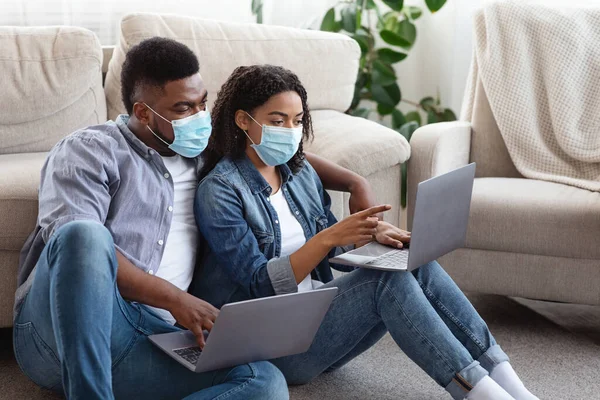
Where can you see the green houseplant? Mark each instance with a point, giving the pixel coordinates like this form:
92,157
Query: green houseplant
376,91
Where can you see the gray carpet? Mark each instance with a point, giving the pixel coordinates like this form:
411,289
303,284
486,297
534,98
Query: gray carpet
555,349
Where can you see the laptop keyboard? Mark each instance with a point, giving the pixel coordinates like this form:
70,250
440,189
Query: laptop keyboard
189,354
392,259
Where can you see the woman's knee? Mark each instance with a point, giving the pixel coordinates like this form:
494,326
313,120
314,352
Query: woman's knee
268,382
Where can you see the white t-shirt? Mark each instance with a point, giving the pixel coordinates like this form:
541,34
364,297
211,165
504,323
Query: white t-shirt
292,235
179,257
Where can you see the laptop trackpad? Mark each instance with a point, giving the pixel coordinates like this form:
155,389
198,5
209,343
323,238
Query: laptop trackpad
372,249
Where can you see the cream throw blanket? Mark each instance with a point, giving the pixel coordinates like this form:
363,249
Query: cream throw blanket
540,68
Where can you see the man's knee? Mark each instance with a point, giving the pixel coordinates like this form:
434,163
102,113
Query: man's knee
83,232
82,246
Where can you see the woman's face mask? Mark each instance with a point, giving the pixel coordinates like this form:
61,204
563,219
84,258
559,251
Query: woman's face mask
191,133
278,144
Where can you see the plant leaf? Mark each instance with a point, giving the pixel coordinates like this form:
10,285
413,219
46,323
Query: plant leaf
403,184
394,4
393,38
384,110
432,117
349,18
363,42
388,21
370,4
414,116
358,18
413,12
428,104
361,81
328,23
435,5
256,6
386,95
383,74
361,112
408,129
390,56
448,115
398,119
407,31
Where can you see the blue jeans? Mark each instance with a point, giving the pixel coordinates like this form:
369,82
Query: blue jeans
75,333
426,314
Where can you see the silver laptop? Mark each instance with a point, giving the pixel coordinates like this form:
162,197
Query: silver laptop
440,223
253,330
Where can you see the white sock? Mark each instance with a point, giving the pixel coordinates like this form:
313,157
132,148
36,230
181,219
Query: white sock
505,376
487,389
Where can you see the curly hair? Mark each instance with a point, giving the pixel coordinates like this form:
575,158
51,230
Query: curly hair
154,62
246,89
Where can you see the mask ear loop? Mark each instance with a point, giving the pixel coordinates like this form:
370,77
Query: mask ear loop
148,126
246,132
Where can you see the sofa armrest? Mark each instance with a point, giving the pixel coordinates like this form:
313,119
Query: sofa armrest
436,149
365,147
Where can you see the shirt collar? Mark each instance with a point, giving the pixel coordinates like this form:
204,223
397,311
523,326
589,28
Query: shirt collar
133,140
255,180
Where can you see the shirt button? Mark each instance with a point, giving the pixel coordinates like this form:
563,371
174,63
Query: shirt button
276,221
151,152
170,208
166,175
151,272
268,199
160,242
297,212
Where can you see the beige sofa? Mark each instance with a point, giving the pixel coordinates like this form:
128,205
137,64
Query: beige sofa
52,85
526,238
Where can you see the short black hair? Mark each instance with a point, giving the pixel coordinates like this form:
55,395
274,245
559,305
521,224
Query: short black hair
154,62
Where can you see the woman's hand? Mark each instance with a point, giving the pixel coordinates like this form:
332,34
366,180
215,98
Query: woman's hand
356,228
390,235
362,196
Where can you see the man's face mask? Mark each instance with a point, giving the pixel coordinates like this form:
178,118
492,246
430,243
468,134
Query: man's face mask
278,144
191,133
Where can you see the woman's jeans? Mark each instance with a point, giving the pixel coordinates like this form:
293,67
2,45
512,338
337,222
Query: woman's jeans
75,334
426,314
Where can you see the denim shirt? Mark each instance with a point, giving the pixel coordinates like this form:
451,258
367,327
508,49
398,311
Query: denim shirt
104,173
241,233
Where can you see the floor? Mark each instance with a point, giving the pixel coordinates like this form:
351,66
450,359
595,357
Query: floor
554,347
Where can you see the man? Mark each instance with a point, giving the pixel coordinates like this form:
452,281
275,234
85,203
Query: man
114,250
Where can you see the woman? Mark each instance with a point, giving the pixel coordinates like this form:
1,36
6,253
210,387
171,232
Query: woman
268,230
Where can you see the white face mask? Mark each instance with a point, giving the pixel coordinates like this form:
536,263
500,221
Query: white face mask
191,133
278,144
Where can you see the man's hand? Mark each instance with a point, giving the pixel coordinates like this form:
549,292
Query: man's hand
390,235
362,197
194,314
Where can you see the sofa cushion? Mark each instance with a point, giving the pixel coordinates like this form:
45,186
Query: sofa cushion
19,182
338,136
534,217
326,63
51,85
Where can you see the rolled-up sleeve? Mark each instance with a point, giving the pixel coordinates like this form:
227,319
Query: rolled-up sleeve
76,182
220,217
282,275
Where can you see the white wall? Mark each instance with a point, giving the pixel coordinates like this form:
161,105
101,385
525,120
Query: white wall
440,58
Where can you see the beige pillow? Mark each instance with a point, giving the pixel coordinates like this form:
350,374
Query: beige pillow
327,63
51,85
